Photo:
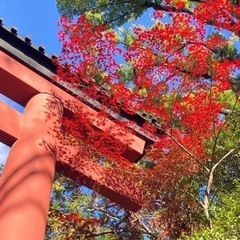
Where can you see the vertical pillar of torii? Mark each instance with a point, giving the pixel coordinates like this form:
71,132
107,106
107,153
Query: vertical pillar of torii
25,185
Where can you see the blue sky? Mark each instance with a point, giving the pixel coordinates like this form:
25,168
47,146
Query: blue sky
36,18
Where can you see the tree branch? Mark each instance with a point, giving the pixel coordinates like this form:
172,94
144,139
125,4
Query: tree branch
145,227
186,150
206,201
165,8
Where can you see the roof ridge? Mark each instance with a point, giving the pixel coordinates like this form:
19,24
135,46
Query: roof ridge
27,39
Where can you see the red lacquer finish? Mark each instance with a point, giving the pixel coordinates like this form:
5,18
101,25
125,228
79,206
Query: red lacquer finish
22,83
80,168
25,184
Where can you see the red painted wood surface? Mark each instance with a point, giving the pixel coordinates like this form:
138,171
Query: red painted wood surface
83,170
21,84
25,184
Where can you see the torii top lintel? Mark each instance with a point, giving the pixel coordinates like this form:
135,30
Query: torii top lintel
26,71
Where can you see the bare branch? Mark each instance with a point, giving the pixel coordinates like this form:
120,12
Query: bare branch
186,150
145,227
225,156
206,201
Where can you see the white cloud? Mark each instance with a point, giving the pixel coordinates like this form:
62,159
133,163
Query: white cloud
4,150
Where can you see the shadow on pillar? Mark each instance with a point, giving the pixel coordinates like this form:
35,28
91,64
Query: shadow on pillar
26,181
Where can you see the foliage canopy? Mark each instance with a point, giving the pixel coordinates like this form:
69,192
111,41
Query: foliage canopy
180,75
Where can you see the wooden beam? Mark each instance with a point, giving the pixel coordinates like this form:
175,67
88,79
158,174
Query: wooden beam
10,123
81,169
21,83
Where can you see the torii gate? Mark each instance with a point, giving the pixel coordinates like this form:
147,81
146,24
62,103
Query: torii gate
25,186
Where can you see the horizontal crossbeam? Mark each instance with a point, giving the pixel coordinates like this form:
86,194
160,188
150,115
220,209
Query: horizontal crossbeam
83,170
21,83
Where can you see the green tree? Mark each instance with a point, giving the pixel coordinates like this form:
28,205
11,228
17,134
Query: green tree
1,168
111,12
226,218
79,213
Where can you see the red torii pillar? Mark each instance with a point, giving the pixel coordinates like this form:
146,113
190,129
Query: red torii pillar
26,181
25,184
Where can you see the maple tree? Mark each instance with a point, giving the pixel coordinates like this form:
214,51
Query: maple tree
181,76
78,213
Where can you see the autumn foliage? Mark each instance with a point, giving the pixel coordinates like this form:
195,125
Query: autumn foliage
172,74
